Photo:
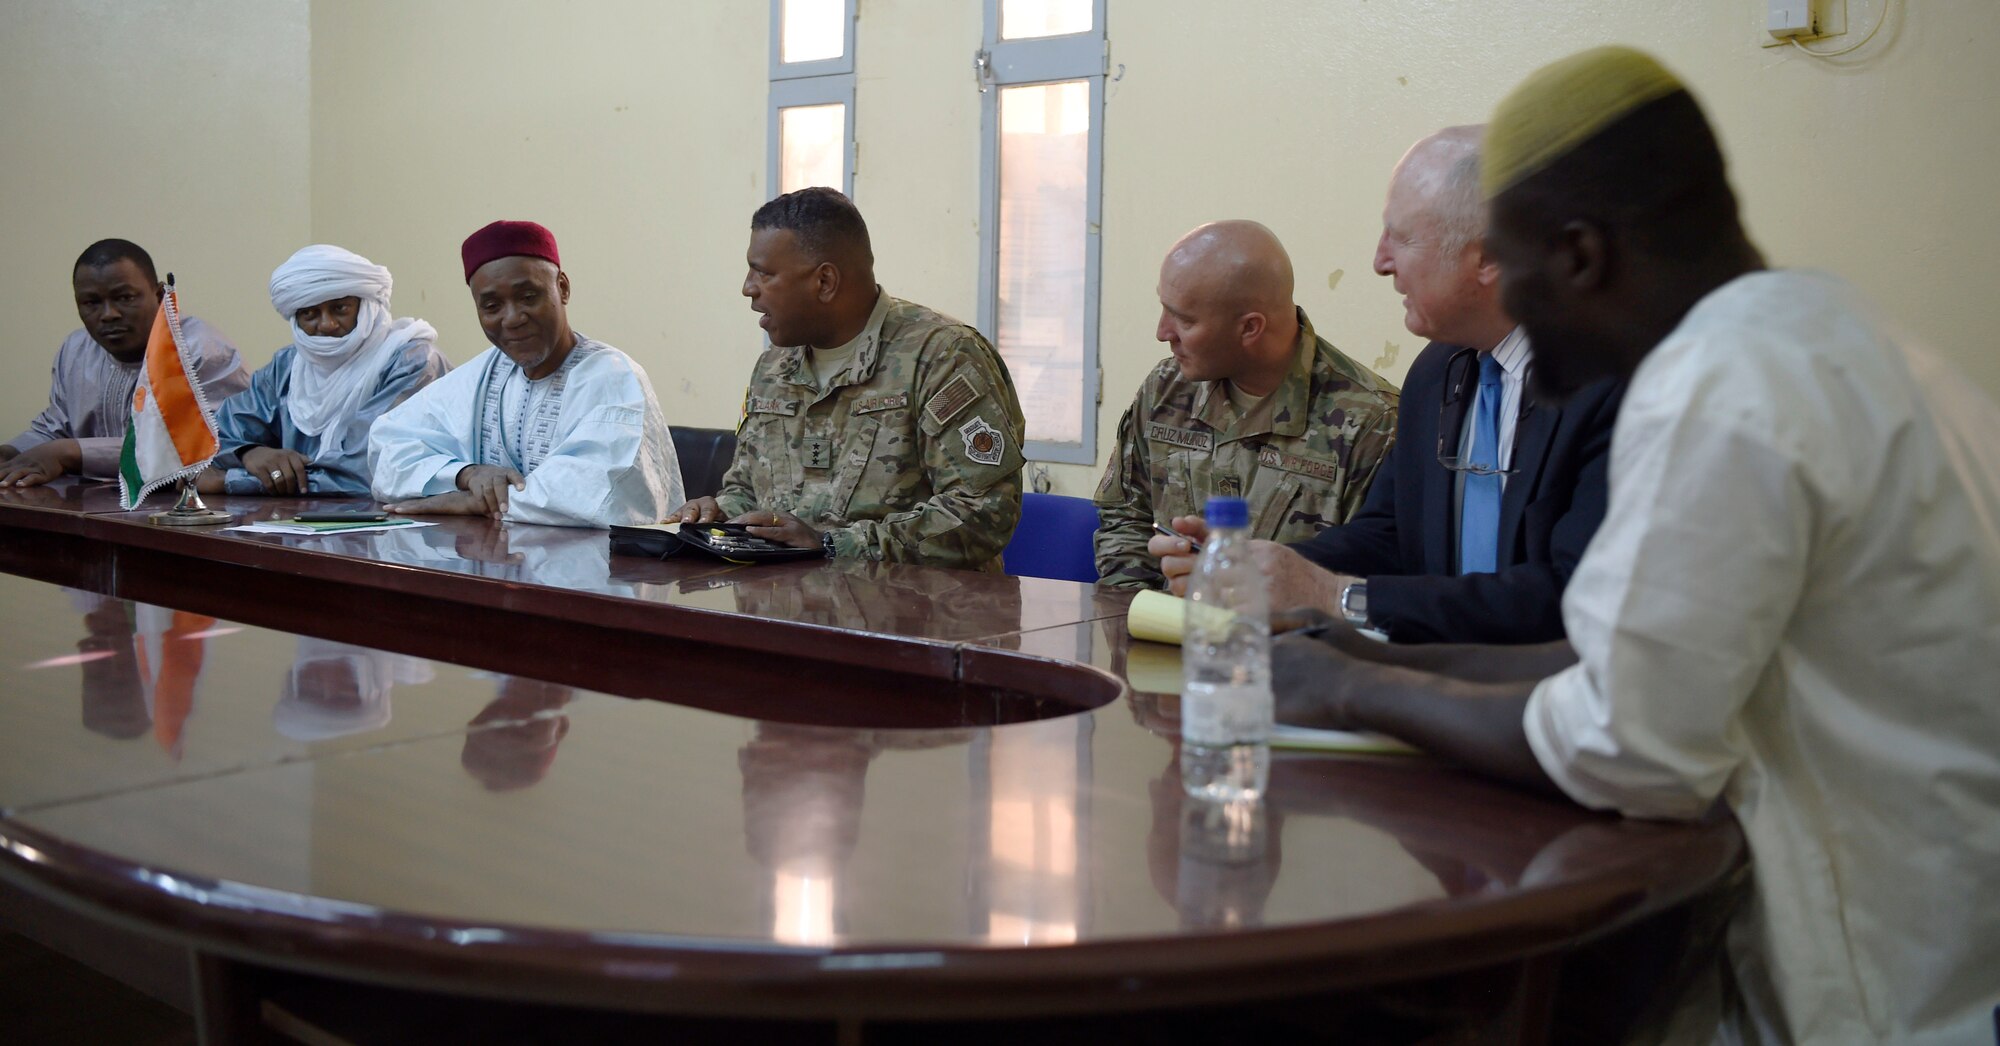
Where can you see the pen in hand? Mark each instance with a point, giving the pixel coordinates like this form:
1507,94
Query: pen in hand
1193,545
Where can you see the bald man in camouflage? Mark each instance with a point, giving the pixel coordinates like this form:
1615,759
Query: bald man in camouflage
1251,404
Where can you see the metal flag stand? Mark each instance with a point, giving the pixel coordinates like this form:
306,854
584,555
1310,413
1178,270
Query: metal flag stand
189,511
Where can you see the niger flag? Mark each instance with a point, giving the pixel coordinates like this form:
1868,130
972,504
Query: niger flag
172,433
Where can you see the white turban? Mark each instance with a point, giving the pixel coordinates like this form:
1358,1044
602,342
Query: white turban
331,377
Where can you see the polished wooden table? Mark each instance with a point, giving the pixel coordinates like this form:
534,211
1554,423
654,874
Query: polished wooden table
494,761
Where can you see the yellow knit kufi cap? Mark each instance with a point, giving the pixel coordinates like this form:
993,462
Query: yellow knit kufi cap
1561,105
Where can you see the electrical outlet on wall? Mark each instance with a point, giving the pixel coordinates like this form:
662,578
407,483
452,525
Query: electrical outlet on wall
1787,20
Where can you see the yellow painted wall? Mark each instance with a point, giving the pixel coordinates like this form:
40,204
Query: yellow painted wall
178,124
639,136
636,130
633,130
1293,112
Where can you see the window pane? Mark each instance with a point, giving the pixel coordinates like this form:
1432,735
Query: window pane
1044,172
812,142
1029,19
813,30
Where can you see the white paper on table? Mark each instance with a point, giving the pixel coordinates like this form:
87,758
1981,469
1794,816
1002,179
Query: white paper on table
1309,739
301,530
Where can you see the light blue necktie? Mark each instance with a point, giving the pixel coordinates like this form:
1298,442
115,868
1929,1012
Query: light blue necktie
1479,514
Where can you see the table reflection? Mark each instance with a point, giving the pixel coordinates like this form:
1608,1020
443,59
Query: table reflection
559,557
337,689
878,597
141,667
66,494
802,793
1214,862
113,698
1035,779
519,751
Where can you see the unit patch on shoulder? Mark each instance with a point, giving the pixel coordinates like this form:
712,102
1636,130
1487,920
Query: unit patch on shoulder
957,394
983,443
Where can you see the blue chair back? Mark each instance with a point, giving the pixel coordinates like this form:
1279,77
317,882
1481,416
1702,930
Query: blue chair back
1053,539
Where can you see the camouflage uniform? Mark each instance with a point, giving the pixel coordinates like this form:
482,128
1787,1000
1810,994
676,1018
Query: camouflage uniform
1303,460
912,454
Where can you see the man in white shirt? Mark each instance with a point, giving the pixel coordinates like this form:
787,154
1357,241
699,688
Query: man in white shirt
1793,604
547,426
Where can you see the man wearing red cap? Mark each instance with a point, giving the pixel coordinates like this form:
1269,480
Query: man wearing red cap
547,426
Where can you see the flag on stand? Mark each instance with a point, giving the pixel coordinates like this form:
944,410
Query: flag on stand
172,431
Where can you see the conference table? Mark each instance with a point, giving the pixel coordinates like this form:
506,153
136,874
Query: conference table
418,779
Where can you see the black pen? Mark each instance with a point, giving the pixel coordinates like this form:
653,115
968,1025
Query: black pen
1193,545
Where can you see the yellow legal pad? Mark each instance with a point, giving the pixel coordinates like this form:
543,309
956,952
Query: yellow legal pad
1159,617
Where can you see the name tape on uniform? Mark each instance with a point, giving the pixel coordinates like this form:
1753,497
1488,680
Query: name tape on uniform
1193,439
879,403
1271,457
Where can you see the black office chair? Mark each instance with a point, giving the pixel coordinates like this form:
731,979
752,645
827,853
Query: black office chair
705,456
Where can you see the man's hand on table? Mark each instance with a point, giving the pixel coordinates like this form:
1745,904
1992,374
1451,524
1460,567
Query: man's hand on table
1315,679
1333,630
1293,580
454,503
38,465
279,471
487,484
211,481
781,527
700,510
7,452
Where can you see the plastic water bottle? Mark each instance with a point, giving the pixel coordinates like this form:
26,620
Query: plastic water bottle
1226,665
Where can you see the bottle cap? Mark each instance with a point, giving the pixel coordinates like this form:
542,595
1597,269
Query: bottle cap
1227,512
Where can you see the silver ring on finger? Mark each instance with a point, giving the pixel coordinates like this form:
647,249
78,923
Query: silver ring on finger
276,475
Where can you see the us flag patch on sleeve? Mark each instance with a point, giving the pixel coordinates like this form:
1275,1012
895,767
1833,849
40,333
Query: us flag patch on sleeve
957,394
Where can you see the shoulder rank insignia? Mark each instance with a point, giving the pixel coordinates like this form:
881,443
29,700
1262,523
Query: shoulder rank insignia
957,394
983,443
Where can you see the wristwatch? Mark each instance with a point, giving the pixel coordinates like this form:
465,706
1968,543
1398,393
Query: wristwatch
826,542
1354,603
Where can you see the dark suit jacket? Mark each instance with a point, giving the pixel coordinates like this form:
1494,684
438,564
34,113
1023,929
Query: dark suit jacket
1403,542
